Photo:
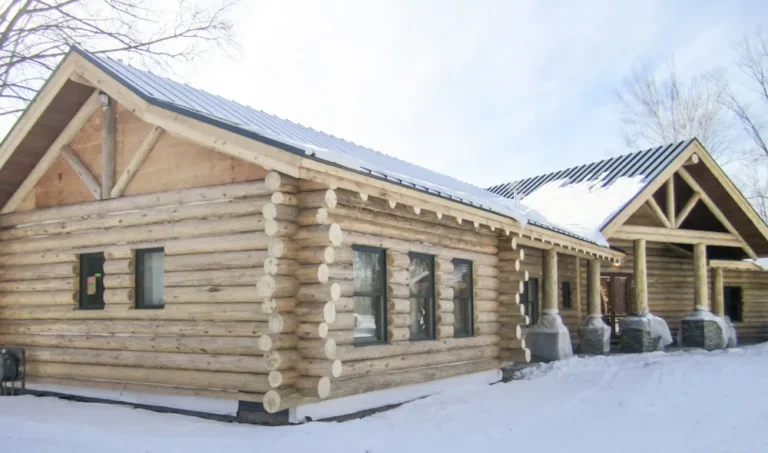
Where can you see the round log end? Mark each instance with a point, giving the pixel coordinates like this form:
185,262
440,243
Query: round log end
270,227
323,273
268,306
276,323
270,266
265,343
272,359
329,312
336,368
265,287
527,355
330,198
323,387
334,234
525,276
330,348
275,378
272,401
276,248
273,180
322,330
517,265
518,332
329,255
522,254
269,211
335,291
321,216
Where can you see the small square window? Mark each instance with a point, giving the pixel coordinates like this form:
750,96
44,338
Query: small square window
566,290
422,287
92,281
150,269
462,298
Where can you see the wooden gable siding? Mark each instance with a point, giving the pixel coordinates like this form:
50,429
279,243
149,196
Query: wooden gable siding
173,164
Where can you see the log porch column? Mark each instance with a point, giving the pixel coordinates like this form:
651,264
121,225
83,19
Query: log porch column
641,278
718,304
549,339
700,296
595,334
550,305
593,288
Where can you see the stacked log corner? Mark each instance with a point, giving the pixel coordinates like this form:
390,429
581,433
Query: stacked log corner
305,268
512,316
203,342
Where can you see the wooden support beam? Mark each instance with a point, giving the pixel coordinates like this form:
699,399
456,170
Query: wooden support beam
656,209
700,296
735,265
70,130
671,201
108,144
82,171
715,210
550,282
577,262
593,288
689,205
668,235
641,277
138,158
718,303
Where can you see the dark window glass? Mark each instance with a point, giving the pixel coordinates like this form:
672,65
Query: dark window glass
462,298
732,302
92,281
531,300
566,290
369,267
150,269
422,286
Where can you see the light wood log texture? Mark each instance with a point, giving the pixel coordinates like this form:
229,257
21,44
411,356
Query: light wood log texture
223,277
277,286
276,181
281,305
408,348
215,261
39,298
312,330
316,312
39,258
444,331
53,284
119,296
122,309
718,304
138,158
135,327
386,364
317,199
397,260
85,175
38,272
211,294
281,359
317,255
279,228
269,342
687,208
283,198
283,248
118,266
318,349
319,368
351,238
309,390
205,379
700,293
398,305
178,197
640,274
322,235
272,211
343,321
395,334
516,355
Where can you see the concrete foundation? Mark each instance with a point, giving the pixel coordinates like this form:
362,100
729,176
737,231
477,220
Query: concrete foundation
595,336
646,333
702,329
549,339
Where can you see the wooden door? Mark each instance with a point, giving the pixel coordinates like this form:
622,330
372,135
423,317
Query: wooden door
615,297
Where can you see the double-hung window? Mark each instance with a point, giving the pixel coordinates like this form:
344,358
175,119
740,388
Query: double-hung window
462,298
370,296
92,281
422,289
150,267
566,294
531,300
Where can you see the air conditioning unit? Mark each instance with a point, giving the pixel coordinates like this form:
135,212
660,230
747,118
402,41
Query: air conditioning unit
12,371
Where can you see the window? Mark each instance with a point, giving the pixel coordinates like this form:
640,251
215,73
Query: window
370,296
732,302
566,293
462,298
149,278
531,300
422,286
92,281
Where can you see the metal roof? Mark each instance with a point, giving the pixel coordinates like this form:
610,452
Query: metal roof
647,164
296,138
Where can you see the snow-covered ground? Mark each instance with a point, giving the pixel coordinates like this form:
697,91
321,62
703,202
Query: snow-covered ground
677,402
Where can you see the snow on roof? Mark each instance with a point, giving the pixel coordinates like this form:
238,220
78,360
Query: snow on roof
299,139
584,199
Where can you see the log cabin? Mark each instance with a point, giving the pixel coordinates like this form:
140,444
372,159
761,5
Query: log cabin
160,245
688,234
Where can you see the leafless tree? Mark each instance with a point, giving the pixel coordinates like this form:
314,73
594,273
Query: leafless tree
659,109
36,34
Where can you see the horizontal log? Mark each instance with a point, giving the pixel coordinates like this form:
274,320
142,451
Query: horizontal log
269,342
408,348
39,298
280,228
119,281
487,328
223,277
219,243
398,276
318,349
272,211
135,327
445,306
399,305
341,272
352,238
211,294
284,198
399,319
383,365
486,271
280,266
275,181
215,261
312,330
321,292
486,283
397,260
277,286
312,273
143,359
53,284
312,216
512,255
444,266
207,379
310,390
281,305
281,359
319,368
445,319
516,355
118,266
342,337
486,306
51,257
125,311
322,235
311,312
445,292
231,346
141,233
343,321
317,199
214,210
39,272
444,331
316,255
486,317
119,296
486,294
395,334
344,304
283,248
398,291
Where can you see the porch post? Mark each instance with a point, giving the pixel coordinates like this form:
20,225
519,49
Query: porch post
700,328
718,304
549,339
642,332
595,334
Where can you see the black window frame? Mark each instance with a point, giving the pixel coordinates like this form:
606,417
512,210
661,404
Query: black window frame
470,300
728,302
533,314
138,256
565,293
381,328
431,315
83,299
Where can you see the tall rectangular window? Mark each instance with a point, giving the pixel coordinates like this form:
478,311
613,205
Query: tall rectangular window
531,300
150,267
462,298
566,293
370,296
92,281
733,303
422,287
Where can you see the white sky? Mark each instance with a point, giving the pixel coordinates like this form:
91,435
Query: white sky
486,91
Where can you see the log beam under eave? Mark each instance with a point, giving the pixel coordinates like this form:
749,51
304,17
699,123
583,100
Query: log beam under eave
676,236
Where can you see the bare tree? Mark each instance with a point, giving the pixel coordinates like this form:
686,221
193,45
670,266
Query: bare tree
36,34
660,109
